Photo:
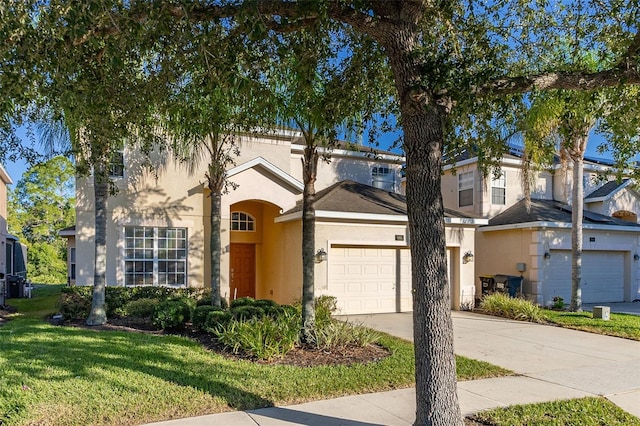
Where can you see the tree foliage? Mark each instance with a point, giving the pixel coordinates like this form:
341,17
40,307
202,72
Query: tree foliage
41,204
460,69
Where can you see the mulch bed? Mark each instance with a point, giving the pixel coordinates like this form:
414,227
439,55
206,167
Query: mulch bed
305,356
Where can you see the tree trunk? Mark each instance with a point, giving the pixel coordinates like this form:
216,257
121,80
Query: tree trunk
577,201
309,173
422,123
98,314
216,246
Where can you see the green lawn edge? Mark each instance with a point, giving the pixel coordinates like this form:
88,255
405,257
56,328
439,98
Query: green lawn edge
590,411
626,326
73,376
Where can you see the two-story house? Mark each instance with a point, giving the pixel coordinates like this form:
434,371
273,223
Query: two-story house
536,242
158,227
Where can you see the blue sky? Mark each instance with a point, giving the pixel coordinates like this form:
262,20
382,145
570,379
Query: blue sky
16,169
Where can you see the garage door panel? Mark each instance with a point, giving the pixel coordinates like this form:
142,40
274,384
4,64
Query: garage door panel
602,276
363,279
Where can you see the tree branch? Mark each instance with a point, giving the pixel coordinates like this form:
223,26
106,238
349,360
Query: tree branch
550,81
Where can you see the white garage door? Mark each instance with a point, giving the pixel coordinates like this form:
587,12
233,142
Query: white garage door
602,276
367,279
364,279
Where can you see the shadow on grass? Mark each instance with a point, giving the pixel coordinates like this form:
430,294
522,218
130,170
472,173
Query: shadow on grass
37,350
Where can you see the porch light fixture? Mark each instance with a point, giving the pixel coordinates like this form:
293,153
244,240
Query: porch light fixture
547,255
636,257
321,256
467,257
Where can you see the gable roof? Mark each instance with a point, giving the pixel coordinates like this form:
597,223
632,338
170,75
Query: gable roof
550,212
262,164
606,191
347,198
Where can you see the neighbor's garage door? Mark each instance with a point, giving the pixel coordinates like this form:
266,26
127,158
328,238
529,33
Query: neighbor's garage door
602,276
370,279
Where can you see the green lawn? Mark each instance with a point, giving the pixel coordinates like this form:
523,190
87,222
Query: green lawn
620,325
583,411
71,376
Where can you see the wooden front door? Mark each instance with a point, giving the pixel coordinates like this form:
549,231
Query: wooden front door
243,270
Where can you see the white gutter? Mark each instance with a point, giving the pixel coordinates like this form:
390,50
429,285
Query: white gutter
5,176
505,161
373,217
348,153
557,225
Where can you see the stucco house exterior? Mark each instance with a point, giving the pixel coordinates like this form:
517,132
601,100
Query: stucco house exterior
536,243
158,227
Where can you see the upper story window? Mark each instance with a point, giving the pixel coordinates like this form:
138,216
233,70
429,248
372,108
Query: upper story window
242,222
383,177
499,190
465,189
116,163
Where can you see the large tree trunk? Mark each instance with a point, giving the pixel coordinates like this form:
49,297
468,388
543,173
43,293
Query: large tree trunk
98,314
422,123
309,173
216,245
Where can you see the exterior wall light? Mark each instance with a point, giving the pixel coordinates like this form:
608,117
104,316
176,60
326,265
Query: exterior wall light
636,257
321,256
467,257
547,255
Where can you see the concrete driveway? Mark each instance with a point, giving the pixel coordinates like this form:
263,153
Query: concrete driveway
548,359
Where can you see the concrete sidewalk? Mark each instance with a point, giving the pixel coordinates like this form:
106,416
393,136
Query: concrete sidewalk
552,363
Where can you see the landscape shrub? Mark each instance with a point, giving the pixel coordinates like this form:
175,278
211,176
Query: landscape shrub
200,314
508,307
263,338
326,307
140,308
243,301
339,334
217,319
247,312
205,299
172,313
74,304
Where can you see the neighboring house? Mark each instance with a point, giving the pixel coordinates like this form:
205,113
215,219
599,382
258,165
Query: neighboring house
158,228
537,243
13,255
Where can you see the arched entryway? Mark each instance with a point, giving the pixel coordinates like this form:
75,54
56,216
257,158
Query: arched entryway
254,249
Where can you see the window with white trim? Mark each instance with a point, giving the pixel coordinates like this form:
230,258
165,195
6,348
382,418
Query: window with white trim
242,222
465,189
499,190
155,256
382,177
116,162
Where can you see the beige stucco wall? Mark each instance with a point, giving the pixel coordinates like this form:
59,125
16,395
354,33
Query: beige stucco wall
498,252
349,166
624,200
482,205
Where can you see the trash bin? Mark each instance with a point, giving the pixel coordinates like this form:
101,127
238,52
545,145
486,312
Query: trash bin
488,284
15,287
510,284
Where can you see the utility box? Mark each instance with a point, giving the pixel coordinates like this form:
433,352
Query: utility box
602,312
